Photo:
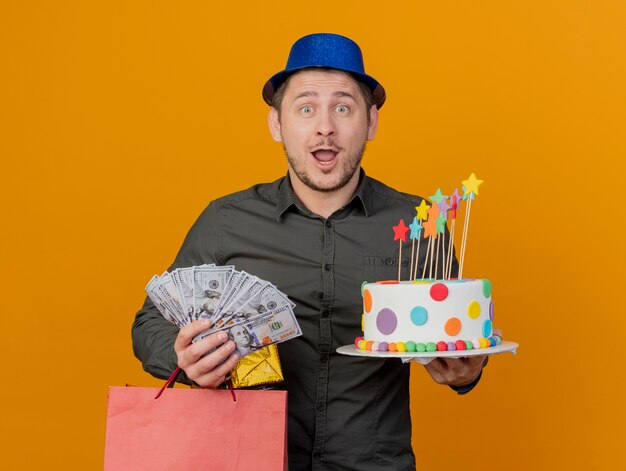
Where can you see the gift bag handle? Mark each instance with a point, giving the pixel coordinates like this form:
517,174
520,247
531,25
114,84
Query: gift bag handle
172,379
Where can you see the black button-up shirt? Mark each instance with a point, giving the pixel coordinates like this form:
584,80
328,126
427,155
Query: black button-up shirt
344,412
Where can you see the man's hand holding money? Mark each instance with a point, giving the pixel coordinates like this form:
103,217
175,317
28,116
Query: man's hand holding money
207,371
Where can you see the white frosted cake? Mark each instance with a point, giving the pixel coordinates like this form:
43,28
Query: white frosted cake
427,315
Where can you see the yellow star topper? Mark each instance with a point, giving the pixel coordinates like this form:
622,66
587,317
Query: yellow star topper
471,184
422,210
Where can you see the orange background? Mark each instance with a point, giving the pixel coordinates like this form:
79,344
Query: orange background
121,120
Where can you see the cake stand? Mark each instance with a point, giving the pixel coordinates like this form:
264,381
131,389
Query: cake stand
426,357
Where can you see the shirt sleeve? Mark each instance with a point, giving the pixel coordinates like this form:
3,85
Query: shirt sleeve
152,335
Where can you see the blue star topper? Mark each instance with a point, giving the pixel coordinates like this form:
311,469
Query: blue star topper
416,228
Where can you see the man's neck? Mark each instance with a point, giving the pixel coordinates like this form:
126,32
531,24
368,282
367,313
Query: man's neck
322,203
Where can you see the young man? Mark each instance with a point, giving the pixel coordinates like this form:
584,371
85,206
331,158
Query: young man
317,234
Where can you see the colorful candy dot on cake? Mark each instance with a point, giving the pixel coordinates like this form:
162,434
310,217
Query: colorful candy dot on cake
431,347
487,328
420,347
419,315
375,346
363,287
401,347
498,339
362,344
486,287
491,310
383,346
460,345
386,321
368,345
442,346
492,342
476,343
439,291
356,341
451,346
484,343
473,310
387,282
392,347
410,346
367,301
469,345
452,326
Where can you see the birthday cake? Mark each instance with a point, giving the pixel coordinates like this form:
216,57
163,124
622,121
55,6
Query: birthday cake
427,316
430,314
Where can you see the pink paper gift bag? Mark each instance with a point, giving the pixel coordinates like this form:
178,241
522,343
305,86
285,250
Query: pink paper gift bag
190,429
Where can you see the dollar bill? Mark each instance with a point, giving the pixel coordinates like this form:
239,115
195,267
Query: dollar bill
154,293
264,329
183,280
169,293
250,289
254,312
210,283
235,286
268,298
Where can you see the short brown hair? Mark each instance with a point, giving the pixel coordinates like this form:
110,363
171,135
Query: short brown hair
366,92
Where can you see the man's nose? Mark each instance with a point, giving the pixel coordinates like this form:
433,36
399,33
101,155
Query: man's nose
325,124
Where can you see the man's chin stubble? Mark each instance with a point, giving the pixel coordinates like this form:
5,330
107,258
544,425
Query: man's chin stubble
346,176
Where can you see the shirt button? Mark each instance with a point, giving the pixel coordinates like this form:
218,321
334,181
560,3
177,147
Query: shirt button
329,224
325,313
324,358
317,455
389,261
320,407
328,267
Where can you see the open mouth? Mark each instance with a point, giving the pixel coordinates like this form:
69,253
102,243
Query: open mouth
324,157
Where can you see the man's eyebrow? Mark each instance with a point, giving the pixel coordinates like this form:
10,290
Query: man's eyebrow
305,94
342,94
311,93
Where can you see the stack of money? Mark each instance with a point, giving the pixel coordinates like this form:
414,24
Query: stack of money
252,311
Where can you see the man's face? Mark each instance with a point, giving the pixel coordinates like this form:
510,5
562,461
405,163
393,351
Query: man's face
323,126
240,336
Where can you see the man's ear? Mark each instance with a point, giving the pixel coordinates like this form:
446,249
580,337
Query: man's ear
373,126
274,123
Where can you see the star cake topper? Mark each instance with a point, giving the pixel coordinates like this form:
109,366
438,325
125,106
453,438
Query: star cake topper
399,231
470,186
416,228
422,210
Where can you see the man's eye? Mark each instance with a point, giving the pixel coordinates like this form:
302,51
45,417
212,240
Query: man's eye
342,108
307,109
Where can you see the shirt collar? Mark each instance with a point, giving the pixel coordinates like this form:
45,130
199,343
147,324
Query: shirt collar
287,198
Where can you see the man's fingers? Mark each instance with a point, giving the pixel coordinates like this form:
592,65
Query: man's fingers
188,332
455,371
216,376
437,369
213,359
197,368
437,365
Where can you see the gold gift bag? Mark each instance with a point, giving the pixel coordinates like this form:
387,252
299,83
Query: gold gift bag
260,367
